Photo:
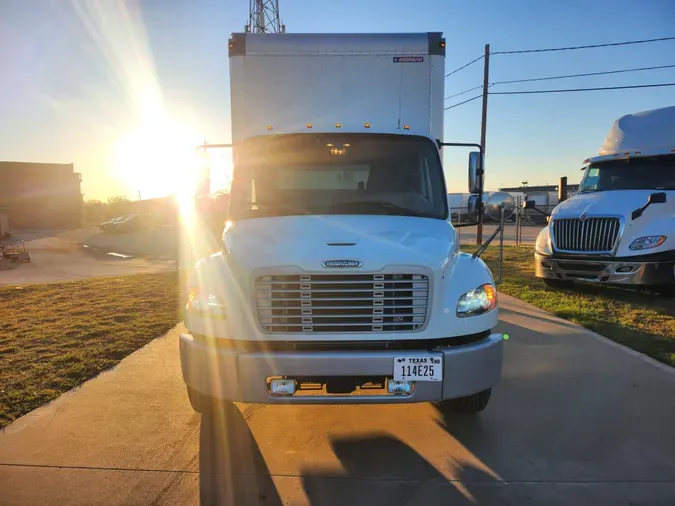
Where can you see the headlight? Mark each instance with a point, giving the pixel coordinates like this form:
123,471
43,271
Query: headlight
478,301
543,244
651,241
205,304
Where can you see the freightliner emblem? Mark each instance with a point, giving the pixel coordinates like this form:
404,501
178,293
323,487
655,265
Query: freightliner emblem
342,264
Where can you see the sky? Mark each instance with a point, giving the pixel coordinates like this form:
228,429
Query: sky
89,82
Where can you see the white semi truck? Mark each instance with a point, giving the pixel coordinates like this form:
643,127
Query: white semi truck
620,227
340,279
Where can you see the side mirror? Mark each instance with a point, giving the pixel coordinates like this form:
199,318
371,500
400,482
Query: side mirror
475,171
657,198
529,204
654,198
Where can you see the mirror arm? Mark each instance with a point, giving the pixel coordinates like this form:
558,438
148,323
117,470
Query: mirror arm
481,249
460,225
638,212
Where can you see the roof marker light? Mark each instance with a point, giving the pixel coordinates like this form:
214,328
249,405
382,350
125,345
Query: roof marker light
269,127
338,125
309,125
406,127
367,125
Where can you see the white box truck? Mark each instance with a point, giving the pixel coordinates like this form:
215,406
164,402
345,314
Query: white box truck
340,279
620,226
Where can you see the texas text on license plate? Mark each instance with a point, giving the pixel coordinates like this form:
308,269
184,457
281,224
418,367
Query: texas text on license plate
425,368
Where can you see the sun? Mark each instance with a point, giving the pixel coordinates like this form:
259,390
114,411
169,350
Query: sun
157,158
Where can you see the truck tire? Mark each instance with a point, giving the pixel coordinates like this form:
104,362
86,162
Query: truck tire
466,405
559,284
666,290
204,404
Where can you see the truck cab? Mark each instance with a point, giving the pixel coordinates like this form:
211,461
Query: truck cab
340,278
620,227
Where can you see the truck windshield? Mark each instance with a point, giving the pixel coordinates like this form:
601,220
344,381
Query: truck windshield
649,173
338,174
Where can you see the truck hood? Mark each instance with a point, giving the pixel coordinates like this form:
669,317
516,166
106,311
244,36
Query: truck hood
613,203
306,242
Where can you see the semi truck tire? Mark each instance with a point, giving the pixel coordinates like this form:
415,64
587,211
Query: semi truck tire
666,290
560,284
466,405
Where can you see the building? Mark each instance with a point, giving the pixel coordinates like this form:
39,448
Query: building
41,195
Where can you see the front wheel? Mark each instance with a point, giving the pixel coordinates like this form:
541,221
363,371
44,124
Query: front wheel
204,404
560,284
466,405
666,290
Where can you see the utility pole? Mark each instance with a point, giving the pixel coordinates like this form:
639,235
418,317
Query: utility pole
483,127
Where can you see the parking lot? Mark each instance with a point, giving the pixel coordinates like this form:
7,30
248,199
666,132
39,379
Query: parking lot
67,256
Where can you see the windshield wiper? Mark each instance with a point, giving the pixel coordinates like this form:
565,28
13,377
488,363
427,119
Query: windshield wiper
379,205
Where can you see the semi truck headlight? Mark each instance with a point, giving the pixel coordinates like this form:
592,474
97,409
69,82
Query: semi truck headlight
205,304
478,301
648,242
543,244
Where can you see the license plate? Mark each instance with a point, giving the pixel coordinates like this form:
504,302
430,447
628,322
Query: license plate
425,368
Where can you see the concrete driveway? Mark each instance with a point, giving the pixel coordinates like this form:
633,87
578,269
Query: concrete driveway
575,421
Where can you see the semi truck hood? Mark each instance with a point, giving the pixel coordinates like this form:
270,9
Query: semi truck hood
657,219
613,203
306,242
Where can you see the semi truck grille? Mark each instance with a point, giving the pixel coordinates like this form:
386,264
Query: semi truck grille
342,302
596,235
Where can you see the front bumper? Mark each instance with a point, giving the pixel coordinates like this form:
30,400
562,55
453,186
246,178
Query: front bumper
228,374
620,271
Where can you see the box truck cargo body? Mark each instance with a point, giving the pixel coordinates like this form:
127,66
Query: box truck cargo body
340,279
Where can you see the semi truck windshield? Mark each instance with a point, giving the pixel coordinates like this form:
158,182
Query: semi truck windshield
656,173
338,174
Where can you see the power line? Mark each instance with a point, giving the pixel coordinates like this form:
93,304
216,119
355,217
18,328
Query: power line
571,48
462,103
471,89
581,89
463,92
583,75
464,66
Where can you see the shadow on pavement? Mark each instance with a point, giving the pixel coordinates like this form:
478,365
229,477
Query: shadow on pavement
382,470
232,470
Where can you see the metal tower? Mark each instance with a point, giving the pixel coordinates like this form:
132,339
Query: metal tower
264,17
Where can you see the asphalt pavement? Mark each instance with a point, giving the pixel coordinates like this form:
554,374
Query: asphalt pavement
528,235
60,257
576,420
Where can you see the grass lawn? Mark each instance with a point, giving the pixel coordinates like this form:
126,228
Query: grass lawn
55,336
639,320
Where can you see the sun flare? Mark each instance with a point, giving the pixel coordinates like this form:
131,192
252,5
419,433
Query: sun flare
158,158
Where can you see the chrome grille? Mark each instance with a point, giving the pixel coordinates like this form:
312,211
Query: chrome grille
597,235
342,302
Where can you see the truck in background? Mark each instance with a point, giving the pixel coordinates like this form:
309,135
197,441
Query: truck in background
620,226
340,278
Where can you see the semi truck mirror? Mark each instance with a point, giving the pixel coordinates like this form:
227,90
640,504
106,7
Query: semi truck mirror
475,171
654,198
657,198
